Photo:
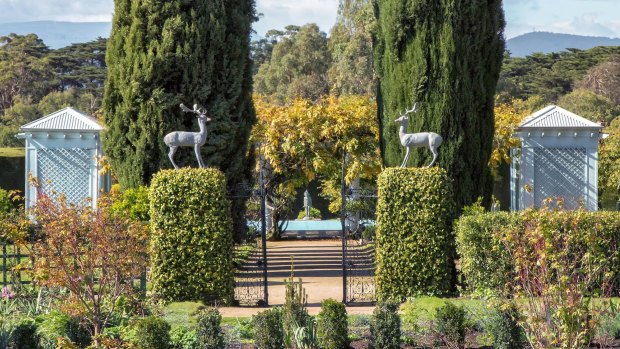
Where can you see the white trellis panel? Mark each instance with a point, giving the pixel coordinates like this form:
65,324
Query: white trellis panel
558,159
560,173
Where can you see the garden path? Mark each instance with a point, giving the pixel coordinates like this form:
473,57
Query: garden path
317,262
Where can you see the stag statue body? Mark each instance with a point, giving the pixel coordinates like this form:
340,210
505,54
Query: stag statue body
189,139
416,140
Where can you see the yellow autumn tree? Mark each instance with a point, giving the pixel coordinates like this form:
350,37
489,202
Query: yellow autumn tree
508,116
304,140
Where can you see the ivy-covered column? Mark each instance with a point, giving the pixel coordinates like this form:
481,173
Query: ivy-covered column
192,239
414,242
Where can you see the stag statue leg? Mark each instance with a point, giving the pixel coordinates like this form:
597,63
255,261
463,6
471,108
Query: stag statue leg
198,156
435,153
404,164
173,149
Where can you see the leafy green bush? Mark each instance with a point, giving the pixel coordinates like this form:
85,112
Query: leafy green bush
504,327
209,330
488,265
556,260
485,263
385,326
450,325
56,325
183,338
268,329
314,213
133,202
192,241
332,323
410,316
6,201
151,333
414,241
24,335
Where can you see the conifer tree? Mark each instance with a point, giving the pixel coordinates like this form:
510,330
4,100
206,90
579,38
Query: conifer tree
446,55
163,53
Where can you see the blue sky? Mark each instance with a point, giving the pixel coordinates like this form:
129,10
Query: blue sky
585,17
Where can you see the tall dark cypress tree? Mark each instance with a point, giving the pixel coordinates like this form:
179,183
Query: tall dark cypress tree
447,56
163,53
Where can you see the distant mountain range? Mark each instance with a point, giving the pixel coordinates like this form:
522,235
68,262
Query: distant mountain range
526,44
59,34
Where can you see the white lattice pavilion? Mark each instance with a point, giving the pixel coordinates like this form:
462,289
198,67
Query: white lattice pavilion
62,152
558,158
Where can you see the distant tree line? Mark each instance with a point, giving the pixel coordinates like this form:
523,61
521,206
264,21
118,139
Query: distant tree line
36,80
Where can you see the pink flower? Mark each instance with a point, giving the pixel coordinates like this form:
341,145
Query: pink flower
6,293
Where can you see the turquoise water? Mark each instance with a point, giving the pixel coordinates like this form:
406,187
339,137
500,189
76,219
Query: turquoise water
300,225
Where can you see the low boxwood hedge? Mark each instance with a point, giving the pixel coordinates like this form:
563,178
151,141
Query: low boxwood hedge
192,242
414,240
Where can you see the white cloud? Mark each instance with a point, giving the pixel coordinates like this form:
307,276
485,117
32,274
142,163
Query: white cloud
585,24
60,10
279,13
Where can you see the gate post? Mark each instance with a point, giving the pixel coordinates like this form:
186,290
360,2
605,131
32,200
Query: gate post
263,229
343,212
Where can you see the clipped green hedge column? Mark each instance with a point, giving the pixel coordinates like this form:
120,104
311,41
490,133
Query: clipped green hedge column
415,245
192,242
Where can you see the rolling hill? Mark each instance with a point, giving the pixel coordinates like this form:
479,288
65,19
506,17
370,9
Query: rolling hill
545,42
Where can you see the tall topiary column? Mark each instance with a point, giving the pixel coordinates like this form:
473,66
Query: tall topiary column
192,242
446,55
414,242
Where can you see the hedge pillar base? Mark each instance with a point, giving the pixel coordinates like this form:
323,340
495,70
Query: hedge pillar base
192,241
414,243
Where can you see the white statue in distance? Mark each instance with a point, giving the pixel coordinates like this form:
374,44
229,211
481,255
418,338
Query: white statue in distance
189,139
416,140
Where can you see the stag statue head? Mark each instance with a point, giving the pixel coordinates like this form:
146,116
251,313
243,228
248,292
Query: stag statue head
404,117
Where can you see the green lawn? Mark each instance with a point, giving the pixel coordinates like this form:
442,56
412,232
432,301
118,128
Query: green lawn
182,313
12,152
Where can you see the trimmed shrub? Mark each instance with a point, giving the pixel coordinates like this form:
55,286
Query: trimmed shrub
183,338
209,331
385,326
268,329
332,329
504,328
484,261
450,325
24,335
151,333
414,241
192,242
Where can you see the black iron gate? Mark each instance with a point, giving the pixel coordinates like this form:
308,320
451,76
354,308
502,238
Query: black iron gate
251,256
358,249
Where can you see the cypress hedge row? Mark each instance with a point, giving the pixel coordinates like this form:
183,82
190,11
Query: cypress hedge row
192,241
414,243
